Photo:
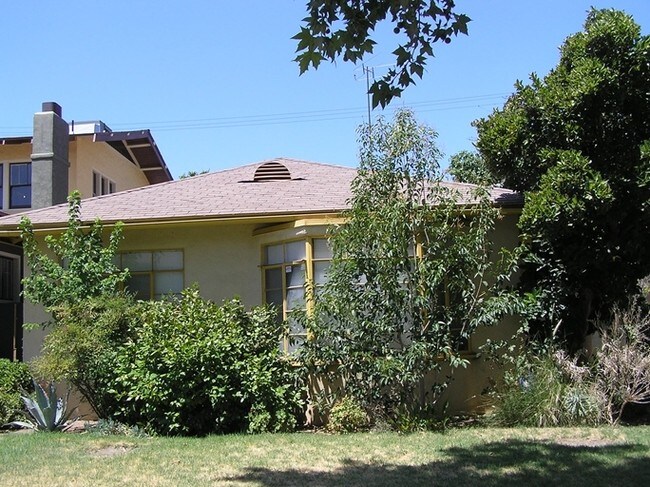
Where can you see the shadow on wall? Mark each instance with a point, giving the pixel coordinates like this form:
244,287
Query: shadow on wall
500,464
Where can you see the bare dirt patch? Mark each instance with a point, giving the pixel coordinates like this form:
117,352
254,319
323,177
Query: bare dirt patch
587,442
112,450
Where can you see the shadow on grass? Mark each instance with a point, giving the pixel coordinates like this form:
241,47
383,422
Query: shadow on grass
506,463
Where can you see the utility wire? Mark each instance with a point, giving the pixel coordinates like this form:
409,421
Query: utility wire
325,115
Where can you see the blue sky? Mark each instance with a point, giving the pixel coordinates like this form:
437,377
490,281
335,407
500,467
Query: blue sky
215,82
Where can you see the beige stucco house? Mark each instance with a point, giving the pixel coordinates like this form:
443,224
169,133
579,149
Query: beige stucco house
40,170
256,232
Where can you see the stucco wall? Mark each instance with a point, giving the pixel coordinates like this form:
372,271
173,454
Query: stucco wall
223,259
87,156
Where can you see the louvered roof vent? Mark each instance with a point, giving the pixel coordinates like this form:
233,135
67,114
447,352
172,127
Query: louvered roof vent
272,171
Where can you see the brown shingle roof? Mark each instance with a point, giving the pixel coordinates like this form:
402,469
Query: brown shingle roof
313,188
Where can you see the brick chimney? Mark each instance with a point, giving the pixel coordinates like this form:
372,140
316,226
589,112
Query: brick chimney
49,157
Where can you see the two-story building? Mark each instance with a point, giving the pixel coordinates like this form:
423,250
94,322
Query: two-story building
40,170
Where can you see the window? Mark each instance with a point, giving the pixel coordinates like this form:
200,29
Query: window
321,257
102,185
287,267
153,275
20,185
8,279
2,178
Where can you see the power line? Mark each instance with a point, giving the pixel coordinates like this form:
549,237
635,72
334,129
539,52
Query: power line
311,116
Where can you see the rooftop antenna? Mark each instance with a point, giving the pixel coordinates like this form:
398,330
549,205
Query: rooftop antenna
367,72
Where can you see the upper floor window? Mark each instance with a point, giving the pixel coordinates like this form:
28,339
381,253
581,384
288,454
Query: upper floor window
102,185
20,185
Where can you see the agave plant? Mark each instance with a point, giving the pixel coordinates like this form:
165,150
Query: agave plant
48,411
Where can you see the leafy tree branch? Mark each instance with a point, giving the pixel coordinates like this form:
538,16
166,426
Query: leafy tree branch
336,29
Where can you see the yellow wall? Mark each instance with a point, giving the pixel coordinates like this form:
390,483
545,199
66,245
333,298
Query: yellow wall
87,156
223,259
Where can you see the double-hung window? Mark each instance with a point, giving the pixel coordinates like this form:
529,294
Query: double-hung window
20,185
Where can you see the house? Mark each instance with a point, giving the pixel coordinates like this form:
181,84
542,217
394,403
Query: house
256,231
40,170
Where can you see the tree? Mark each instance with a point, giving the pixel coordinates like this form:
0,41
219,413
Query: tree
342,28
76,265
469,167
577,142
413,275
77,281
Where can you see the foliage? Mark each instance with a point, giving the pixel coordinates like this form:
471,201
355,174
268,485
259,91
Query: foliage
644,284
342,28
48,411
110,427
623,374
469,167
191,174
577,142
14,377
192,367
80,347
551,388
347,416
75,266
413,275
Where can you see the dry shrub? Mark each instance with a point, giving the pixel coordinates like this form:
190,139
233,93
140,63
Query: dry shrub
623,372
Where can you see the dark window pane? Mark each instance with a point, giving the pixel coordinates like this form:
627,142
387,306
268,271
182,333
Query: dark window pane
273,278
140,286
20,197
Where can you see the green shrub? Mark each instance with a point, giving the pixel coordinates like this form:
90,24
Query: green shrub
546,390
347,416
14,377
110,427
81,345
192,367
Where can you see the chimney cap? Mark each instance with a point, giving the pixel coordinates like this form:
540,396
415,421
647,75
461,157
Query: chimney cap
52,106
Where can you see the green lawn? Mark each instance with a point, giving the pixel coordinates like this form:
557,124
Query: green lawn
562,456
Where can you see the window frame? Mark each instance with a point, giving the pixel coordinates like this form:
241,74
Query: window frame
151,272
12,204
308,285
102,185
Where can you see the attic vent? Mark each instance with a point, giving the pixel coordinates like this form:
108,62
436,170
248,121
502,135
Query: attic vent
272,171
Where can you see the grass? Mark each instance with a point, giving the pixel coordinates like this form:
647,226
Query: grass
490,456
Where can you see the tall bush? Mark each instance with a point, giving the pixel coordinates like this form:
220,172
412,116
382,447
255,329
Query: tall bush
577,142
192,367
414,274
